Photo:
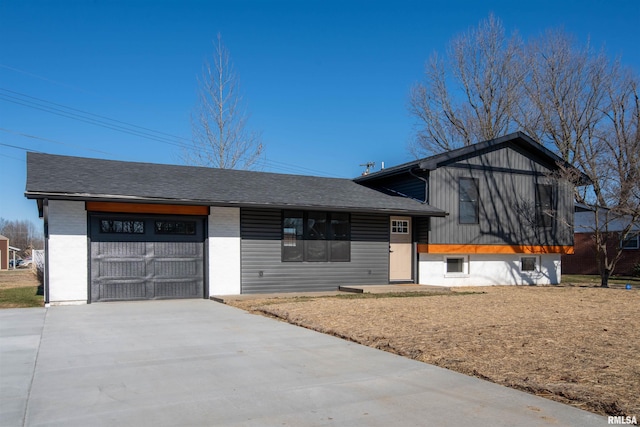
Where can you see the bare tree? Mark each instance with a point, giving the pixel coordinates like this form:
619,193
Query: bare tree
221,137
568,97
470,95
22,234
616,189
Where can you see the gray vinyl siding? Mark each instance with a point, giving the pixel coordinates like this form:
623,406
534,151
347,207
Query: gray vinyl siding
506,182
263,270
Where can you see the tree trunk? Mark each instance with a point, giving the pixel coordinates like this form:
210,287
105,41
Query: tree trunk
604,278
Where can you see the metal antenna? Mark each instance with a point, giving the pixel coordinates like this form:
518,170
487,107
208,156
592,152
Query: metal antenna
368,166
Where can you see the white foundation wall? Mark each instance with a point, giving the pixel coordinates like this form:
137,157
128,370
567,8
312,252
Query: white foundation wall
489,270
68,253
224,251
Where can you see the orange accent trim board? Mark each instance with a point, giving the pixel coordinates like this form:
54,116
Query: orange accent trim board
146,208
426,248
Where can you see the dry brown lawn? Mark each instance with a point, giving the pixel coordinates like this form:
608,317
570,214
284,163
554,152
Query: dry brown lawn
576,345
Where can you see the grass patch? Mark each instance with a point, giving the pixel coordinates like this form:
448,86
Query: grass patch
594,280
29,296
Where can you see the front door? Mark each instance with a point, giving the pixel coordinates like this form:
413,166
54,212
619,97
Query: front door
400,249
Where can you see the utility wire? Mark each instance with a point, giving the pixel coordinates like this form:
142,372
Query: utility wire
89,120
117,125
54,141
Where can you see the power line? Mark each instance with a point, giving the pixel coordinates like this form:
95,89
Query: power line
117,125
53,140
19,148
42,106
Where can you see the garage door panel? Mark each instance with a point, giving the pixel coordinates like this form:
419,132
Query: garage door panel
178,249
149,268
177,267
177,289
113,290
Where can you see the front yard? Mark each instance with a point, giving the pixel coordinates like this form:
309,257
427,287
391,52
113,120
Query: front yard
20,288
575,344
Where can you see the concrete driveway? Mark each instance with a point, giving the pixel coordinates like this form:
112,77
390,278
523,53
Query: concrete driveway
200,363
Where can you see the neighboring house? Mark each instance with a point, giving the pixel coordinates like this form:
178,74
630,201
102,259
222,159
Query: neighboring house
4,253
583,260
7,254
474,216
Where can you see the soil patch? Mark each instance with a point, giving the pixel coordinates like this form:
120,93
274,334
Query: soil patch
576,345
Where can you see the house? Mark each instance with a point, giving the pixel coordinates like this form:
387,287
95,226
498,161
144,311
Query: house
509,220
583,260
4,253
7,254
484,214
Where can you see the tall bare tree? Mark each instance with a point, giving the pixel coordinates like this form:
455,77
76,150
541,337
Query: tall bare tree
221,137
470,95
569,97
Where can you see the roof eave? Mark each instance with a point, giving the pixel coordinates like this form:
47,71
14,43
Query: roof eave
133,199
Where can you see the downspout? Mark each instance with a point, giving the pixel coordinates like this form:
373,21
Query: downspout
45,215
416,257
426,185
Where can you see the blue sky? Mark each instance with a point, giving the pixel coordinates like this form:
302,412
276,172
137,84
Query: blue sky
326,82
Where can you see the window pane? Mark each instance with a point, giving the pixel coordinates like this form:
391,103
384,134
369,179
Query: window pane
469,203
340,250
175,227
544,205
292,236
400,226
631,242
455,265
121,226
317,225
316,251
340,228
528,264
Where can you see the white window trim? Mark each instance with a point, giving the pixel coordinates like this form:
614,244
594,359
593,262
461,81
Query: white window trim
401,224
465,266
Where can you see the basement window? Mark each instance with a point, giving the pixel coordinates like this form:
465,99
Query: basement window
528,263
456,266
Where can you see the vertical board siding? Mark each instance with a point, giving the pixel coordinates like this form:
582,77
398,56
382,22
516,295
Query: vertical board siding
507,203
405,184
263,270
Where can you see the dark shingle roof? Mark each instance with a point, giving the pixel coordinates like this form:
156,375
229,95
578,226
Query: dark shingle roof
516,139
78,178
